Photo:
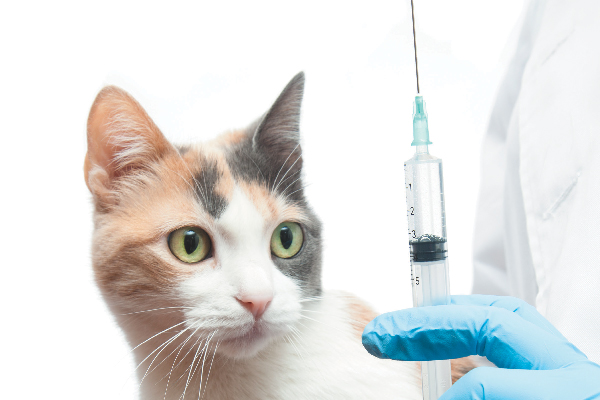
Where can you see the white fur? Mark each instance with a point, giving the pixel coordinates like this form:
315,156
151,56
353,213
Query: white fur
326,362
329,363
299,349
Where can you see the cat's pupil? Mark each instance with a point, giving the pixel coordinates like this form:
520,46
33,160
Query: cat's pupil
190,241
286,236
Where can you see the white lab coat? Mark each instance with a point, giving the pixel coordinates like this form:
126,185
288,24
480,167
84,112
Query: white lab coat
538,224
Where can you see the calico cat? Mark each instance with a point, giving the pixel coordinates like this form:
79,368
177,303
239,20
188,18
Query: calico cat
209,256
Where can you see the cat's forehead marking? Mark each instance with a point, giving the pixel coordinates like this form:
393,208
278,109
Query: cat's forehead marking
211,178
224,185
215,184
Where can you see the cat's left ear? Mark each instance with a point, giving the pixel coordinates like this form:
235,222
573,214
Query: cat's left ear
277,136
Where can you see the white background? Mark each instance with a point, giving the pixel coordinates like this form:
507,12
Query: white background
199,69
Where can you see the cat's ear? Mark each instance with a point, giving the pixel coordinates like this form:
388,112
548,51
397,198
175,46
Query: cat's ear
122,140
277,136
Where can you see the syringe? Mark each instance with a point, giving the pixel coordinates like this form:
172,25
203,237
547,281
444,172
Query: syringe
427,240
427,233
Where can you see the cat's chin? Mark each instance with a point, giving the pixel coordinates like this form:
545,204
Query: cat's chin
247,345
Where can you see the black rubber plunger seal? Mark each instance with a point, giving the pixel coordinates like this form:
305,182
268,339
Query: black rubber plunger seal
432,250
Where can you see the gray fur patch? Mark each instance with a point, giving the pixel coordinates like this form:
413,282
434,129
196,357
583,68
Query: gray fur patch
251,165
204,184
305,267
182,149
271,151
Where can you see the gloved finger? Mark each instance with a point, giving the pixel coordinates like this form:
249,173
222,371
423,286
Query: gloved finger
512,304
445,332
577,382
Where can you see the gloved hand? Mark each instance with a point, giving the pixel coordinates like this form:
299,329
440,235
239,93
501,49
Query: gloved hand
534,360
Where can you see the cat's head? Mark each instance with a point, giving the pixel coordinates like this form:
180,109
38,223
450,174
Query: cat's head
219,232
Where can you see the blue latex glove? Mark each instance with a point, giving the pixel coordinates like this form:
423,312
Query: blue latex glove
535,361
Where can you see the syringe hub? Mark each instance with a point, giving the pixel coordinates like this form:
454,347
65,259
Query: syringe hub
420,124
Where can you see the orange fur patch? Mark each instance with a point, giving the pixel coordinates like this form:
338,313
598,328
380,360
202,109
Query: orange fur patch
360,313
230,138
150,206
461,366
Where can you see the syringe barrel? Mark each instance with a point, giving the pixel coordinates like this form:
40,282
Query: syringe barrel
430,288
427,227
428,252
425,198
430,283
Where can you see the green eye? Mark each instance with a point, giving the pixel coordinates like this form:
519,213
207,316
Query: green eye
287,240
189,244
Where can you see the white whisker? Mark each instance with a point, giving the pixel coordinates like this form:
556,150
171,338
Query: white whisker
296,334
162,346
313,298
157,354
301,188
202,352
179,175
190,374
209,369
291,176
290,341
173,365
179,347
165,343
322,323
290,185
186,354
261,174
191,366
158,334
288,170
156,309
282,165
204,359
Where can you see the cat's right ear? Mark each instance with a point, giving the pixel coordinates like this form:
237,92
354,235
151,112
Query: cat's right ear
122,140
277,135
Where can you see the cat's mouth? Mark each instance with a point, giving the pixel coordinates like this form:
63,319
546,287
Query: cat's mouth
254,332
248,342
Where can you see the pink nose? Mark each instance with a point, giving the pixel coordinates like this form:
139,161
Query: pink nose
256,305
